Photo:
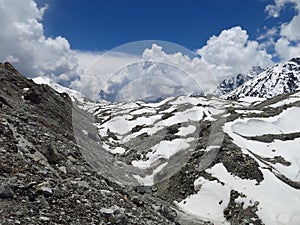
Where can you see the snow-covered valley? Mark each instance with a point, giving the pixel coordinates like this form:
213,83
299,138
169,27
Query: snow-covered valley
186,160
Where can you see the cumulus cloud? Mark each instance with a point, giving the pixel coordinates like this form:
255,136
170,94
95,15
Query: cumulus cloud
23,42
225,55
194,67
288,44
286,49
96,67
232,53
104,71
291,30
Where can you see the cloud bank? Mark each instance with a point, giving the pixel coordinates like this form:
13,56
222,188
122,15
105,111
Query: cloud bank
23,42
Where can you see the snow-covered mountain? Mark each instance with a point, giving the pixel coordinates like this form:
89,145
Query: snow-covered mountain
74,95
232,83
279,79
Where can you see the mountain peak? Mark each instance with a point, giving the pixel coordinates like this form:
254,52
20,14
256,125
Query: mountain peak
296,60
232,83
279,79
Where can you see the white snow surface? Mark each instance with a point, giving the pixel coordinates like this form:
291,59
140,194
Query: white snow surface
184,131
129,120
74,95
284,123
278,202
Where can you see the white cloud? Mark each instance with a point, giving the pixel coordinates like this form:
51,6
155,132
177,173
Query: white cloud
267,38
291,30
268,33
274,10
232,52
96,67
22,41
286,50
100,67
225,55
194,67
288,44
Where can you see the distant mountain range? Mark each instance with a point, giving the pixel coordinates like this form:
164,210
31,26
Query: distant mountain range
258,82
278,79
232,83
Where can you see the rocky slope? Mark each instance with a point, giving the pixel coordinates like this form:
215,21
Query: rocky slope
44,178
209,157
279,79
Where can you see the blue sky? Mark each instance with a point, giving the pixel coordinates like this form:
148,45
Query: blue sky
102,25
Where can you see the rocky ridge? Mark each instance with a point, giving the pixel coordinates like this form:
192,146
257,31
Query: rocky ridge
279,79
232,83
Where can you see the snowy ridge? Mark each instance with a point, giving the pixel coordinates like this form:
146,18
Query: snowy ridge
279,79
232,83
74,95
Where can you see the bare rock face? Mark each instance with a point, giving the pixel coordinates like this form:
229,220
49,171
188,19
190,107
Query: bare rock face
32,96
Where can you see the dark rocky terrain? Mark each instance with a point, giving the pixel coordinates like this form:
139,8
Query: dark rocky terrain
44,178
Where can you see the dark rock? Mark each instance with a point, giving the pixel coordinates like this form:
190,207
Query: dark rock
168,212
3,101
44,188
51,154
236,213
135,200
119,217
137,128
296,60
6,192
143,189
32,96
114,215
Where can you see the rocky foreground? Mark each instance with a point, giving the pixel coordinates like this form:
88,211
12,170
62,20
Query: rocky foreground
44,178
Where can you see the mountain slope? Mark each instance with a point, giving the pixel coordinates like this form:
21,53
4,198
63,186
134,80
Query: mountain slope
74,95
225,182
279,79
232,83
44,178
182,161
